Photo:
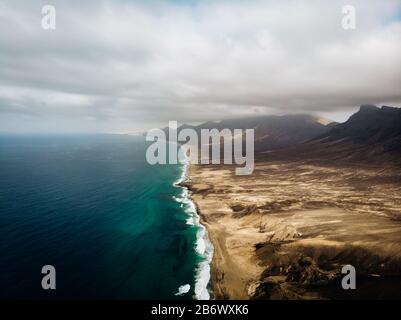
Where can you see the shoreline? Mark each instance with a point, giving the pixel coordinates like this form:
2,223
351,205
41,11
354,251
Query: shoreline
230,274
203,246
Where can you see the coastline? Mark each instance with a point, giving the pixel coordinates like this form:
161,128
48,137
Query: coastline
203,246
231,273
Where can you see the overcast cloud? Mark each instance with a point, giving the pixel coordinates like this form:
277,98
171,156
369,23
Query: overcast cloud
122,66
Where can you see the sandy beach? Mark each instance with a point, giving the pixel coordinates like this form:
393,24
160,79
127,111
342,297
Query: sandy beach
286,231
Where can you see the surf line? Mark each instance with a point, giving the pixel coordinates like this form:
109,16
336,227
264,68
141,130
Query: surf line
203,246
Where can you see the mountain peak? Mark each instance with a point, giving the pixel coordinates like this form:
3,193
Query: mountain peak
368,107
390,109
371,125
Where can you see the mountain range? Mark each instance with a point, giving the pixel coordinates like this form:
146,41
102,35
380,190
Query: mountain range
370,136
370,125
370,131
272,132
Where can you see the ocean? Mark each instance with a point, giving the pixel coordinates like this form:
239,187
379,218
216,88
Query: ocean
113,226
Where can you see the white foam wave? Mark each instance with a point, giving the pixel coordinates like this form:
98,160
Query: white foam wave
203,246
190,221
205,250
183,290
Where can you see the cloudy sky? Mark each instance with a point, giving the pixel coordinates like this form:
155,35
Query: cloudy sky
123,66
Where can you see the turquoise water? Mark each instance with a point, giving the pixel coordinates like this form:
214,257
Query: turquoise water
113,226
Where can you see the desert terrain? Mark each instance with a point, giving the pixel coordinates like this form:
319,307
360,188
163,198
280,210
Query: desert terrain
285,231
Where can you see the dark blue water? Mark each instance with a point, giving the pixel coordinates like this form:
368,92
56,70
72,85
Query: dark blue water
92,207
